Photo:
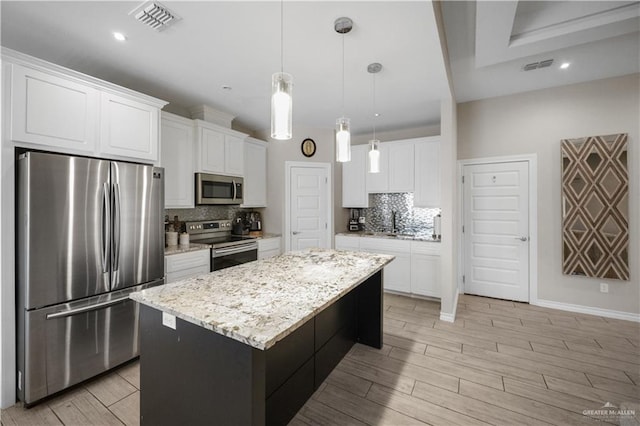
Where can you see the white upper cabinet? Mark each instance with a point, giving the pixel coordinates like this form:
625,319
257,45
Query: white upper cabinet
411,165
61,110
354,178
379,182
52,110
219,150
176,147
212,154
234,155
401,167
427,173
396,169
128,128
255,173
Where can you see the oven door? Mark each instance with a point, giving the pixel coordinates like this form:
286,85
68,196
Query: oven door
216,189
232,256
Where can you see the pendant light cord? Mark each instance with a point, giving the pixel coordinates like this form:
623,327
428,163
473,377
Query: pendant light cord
374,106
281,36
343,74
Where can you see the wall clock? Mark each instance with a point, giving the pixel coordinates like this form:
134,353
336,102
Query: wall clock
308,147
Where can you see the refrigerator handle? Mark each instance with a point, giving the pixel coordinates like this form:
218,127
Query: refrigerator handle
106,214
116,226
84,309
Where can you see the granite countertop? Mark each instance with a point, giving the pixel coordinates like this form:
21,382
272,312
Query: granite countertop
261,302
391,236
169,250
266,235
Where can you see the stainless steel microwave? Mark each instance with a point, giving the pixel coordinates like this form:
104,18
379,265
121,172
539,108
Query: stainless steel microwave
218,189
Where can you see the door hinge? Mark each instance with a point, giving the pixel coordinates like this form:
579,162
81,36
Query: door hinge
462,179
463,229
326,180
326,226
463,278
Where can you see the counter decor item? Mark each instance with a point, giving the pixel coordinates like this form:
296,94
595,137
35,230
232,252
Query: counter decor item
184,239
171,238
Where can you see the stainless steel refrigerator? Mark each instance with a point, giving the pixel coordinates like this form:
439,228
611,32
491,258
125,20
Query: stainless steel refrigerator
89,232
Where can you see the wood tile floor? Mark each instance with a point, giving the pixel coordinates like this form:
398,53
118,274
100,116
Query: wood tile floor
500,363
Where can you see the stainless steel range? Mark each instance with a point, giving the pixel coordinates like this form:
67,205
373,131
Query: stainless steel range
226,249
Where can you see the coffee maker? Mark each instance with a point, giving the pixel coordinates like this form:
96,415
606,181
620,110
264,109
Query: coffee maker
356,220
255,223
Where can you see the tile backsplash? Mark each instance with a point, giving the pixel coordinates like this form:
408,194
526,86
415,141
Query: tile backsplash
409,219
205,213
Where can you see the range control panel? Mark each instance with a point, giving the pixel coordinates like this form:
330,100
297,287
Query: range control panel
208,226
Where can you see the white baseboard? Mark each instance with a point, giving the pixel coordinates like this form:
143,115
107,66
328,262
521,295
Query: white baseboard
451,317
608,313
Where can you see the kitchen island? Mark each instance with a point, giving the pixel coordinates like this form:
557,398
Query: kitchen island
250,344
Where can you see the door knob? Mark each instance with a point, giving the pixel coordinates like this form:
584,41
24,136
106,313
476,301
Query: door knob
295,232
522,238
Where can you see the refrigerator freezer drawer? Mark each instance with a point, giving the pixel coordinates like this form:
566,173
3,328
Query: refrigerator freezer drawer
69,343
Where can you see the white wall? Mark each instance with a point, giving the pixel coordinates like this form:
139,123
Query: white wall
399,134
278,152
7,265
535,122
448,203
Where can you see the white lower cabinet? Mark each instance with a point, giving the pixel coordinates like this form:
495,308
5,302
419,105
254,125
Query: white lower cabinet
269,247
425,268
415,270
184,265
397,274
344,242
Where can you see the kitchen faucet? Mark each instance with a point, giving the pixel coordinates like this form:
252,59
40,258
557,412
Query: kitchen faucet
394,225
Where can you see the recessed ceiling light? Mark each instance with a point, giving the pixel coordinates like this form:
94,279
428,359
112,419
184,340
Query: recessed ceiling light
119,36
565,65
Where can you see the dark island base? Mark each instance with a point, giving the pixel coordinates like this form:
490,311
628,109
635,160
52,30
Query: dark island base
194,376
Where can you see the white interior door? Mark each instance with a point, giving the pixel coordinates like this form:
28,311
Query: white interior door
496,230
309,207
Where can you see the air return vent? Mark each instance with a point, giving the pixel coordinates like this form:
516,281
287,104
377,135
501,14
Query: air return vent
155,15
536,65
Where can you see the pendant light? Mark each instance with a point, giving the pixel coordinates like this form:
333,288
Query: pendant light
374,144
281,94
343,125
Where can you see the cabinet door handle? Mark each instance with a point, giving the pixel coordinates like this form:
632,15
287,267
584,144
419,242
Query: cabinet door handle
522,238
295,232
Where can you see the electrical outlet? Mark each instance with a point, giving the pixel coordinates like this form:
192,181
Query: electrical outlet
604,288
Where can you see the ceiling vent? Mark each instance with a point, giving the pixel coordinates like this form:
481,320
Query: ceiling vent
155,15
537,65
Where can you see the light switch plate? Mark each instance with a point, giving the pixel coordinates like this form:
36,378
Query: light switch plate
169,320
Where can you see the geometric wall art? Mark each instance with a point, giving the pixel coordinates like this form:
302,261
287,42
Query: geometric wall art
595,207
